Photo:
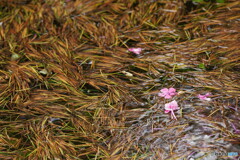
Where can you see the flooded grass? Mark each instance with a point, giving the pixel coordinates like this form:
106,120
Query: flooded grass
73,87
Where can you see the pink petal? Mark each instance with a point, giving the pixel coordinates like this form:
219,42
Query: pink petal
168,97
167,111
167,93
172,90
202,97
174,105
161,94
176,108
167,108
171,106
135,50
164,90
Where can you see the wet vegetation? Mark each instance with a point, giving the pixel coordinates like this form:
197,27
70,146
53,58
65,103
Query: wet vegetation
70,89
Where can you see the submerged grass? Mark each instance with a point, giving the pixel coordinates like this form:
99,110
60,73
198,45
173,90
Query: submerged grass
71,90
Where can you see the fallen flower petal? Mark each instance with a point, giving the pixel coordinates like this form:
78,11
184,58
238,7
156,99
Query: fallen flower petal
172,91
170,107
135,50
167,93
167,111
204,97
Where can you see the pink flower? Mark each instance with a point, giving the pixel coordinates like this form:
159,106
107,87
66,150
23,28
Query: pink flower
167,93
135,50
204,97
170,107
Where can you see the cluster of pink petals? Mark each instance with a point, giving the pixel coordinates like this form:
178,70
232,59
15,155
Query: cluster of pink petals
173,105
170,107
167,93
135,50
204,97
